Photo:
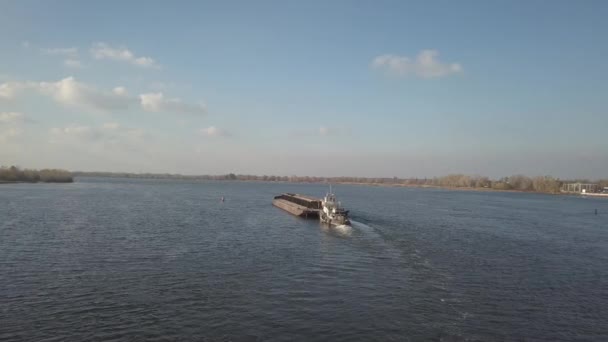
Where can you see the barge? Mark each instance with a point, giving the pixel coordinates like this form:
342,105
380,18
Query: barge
299,205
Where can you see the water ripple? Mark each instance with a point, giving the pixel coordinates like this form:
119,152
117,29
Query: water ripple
123,260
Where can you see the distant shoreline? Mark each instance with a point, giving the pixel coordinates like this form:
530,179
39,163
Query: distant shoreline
312,181
460,182
26,182
15,175
446,187
484,189
198,179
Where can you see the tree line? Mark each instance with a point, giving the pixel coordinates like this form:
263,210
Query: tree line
15,174
545,184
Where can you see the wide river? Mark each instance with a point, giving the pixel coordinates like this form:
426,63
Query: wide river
129,260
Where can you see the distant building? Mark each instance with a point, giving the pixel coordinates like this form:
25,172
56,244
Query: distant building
580,187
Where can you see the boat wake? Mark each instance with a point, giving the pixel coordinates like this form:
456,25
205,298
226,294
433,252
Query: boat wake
343,227
338,230
363,227
373,237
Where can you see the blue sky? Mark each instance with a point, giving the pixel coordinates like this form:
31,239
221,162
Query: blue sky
324,88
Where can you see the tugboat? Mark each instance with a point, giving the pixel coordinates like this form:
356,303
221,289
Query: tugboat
331,212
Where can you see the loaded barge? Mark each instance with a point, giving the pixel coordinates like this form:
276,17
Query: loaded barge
328,210
299,205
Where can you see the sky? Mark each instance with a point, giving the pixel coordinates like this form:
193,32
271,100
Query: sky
318,88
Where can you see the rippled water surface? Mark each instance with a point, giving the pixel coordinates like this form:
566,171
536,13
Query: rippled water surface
125,260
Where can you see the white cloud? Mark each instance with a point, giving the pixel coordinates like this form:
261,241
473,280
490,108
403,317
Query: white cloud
156,102
323,130
425,65
214,132
71,52
11,117
145,62
73,63
25,44
9,90
121,91
104,51
70,92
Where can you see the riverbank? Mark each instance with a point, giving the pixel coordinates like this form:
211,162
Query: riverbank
515,183
394,185
443,187
26,182
15,174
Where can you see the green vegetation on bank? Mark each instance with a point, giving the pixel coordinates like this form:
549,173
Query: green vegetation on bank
15,174
545,184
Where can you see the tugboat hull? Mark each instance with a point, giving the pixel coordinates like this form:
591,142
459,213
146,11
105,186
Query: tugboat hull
336,220
332,212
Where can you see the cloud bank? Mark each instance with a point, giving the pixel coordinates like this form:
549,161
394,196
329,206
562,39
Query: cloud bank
425,65
156,102
121,54
70,92
214,132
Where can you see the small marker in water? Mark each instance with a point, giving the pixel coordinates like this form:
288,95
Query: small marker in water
222,199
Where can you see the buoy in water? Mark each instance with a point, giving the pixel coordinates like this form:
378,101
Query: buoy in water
222,199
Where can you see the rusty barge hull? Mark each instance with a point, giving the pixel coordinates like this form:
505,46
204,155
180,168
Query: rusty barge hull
298,205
